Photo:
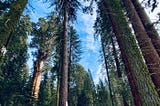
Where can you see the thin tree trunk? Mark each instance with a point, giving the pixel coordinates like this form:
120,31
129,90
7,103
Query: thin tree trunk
58,81
109,81
124,101
131,78
119,73
151,31
58,88
69,67
64,68
149,53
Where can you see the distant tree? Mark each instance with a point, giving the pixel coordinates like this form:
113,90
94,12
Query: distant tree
103,96
81,91
74,55
106,68
67,11
45,91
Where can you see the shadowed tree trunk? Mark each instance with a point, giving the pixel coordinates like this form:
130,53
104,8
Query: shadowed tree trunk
106,65
64,68
149,26
149,53
130,75
124,101
58,87
119,73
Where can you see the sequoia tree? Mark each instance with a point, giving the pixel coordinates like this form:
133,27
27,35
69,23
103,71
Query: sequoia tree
43,34
131,55
149,26
149,53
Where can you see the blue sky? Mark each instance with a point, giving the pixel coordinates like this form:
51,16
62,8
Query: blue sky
84,26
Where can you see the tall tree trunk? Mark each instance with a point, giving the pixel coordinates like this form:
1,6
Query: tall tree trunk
69,68
119,73
37,74
130,75
151,31
135,67
149,53
58,81
58,88
105,60
37,79
64,68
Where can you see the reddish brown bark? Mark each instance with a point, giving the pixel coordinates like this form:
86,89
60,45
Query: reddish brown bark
149,53
37,74
151,31
130,75
37,79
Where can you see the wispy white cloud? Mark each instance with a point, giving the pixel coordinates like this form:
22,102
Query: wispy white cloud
100,74
87,22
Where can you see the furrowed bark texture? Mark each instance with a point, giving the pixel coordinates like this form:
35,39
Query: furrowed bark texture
37,74
149,27
149,53
37,79
142,87
131,78
64,68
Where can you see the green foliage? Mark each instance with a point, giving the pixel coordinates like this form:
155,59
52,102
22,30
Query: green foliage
14,69
103,97
81,91
43,33
103,27
5,5
11,18
45,91
75,50
73,7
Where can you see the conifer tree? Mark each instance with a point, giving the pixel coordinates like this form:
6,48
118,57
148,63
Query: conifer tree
130,55
9,21
14,69
43,36
149,53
